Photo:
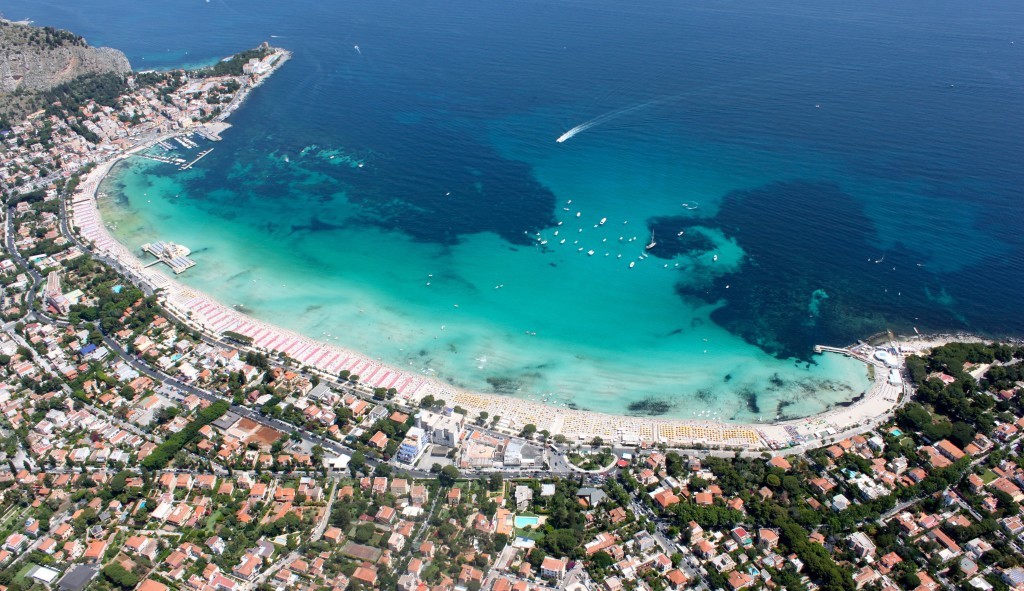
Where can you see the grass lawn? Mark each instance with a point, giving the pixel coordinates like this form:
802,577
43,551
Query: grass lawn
988,476
532,534
23,572
592,461
212,520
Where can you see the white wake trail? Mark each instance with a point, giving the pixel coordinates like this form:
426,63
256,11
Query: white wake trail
609,116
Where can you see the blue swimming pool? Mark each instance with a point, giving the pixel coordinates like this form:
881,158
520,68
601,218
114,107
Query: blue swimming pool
525,521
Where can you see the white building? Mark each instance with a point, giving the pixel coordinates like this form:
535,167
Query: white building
443,429
412,446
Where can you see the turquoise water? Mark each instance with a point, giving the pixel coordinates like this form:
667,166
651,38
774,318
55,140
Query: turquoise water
522,521
811,173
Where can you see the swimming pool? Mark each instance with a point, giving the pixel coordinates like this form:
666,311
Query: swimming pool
526,521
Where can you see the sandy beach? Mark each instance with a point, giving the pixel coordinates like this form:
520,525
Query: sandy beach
205,313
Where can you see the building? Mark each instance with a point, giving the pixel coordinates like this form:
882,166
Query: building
524,495
519,453
413,446
553,568
442,429
862,545
78,577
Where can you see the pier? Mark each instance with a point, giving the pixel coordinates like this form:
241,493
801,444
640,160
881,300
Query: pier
851,352
173,255
197,159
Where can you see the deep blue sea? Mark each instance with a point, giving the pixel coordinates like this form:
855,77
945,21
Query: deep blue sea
811,172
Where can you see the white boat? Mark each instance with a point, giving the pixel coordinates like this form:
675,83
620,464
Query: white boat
652,243
631,263
714,258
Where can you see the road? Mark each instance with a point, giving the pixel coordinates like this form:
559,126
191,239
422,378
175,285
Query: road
322,526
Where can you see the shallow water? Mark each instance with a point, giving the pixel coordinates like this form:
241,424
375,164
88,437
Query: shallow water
834,170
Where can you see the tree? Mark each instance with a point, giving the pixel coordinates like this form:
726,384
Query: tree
528,431
602,560
120,576
364,533
562,542
357,462
962,433
449,474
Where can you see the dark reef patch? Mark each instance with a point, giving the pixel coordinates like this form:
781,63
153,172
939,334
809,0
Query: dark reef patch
504,385
670,243
316,225
749,397
439,195
813,273
649,407
705,396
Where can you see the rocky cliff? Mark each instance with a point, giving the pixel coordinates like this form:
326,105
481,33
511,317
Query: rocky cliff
36,59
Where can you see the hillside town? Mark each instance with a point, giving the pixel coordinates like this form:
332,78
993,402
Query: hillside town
142,453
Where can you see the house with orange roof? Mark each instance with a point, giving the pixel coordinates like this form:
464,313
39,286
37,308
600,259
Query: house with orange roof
94,551
385,515
379,440
366,574
151,585
468,575
666,498
949,450
400,487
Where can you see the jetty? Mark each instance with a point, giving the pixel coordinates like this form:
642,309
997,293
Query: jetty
197,159
173,255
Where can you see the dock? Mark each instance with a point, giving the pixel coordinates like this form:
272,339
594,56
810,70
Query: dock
185,142
167,159
173,255
197,159
205,133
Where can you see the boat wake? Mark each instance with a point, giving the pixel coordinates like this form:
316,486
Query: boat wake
609,116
